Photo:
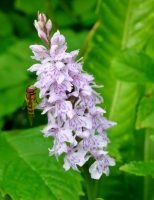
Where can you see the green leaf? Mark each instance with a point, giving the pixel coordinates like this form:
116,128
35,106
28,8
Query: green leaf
133,66
27,171
145,114
138,22
139,168
120,27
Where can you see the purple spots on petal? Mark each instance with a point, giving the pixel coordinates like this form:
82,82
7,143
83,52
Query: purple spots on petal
98,170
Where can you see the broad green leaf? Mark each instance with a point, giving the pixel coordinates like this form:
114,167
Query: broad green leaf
145,114
118,29
27,171
138,22
139,168
133,66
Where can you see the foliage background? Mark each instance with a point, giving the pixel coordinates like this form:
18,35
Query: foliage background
117,42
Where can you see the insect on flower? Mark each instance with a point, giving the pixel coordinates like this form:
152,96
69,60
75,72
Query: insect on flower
30,99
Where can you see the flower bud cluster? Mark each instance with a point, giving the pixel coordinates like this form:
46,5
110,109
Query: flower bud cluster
68,97
43,28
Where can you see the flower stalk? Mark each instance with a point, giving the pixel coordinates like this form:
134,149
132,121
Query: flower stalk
89,182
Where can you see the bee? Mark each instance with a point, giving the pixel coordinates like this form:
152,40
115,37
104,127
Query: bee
30,99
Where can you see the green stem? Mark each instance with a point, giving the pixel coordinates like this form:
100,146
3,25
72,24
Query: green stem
85,48
96,187
89,182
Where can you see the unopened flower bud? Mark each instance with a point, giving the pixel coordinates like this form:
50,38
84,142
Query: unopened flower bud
49,25
38,25
42,17
43,28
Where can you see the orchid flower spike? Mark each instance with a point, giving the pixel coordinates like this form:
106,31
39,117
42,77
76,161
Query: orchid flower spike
75,121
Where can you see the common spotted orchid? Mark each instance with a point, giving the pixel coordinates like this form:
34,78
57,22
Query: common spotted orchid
75,121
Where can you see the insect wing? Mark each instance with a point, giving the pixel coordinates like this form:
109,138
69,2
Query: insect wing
24,105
